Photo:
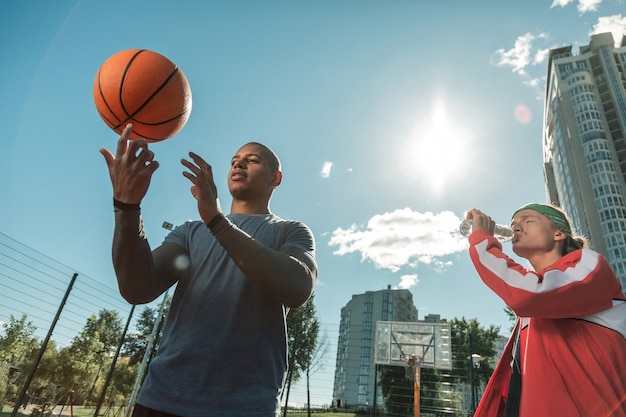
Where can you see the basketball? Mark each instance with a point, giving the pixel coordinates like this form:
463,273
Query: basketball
146,89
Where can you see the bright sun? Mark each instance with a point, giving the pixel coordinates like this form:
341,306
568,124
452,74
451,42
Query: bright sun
441,148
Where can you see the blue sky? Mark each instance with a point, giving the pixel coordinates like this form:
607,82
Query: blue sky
391,118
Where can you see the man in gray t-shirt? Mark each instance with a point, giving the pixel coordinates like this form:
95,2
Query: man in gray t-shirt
224,345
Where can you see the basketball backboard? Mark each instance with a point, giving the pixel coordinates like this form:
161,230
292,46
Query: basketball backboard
397,342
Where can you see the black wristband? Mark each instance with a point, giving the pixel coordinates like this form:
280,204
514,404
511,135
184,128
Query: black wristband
125,206
215,220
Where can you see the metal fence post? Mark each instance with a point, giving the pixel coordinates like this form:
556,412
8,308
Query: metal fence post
20,399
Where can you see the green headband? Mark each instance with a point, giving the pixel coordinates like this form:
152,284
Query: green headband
554,215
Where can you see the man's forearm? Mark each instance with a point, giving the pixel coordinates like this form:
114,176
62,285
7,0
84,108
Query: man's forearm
287,279
132,259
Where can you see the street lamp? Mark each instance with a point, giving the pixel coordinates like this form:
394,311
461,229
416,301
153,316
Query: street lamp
474,363
475,360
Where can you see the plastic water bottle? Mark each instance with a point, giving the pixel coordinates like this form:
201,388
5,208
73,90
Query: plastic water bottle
501,232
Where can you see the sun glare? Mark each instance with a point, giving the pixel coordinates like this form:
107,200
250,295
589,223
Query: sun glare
441,147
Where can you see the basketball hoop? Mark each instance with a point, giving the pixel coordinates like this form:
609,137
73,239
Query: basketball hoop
414,345
412,364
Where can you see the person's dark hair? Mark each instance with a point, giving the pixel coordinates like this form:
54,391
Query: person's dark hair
269,155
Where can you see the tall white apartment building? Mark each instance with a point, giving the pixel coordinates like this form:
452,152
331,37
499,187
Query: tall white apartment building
355,370
584,142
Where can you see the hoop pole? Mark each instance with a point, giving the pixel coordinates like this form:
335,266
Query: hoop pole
416,393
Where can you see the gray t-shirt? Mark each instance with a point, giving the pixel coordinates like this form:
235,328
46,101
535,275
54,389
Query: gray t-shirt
224,345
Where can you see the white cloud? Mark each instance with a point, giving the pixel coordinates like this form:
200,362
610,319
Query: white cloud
403,238
326,167
517,57
560,3
408,281
541,56
585,6
526,52
615,24
535,82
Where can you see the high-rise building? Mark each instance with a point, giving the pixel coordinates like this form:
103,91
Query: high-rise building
355,370
584,142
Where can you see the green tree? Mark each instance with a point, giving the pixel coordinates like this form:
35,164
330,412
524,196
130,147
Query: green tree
122,382
8,387
90,353
397,389
483,343
136,343
18,345
46,378
302,332
315,364
511,315
18,349
302,329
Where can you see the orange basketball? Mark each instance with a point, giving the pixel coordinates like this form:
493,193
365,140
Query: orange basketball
143,88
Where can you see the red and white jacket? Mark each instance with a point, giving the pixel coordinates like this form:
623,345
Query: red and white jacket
572,325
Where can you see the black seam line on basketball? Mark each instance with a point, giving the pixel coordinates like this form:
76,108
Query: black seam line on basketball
146,137
106,119
150,138
163,84
178,116
137,129
121,88
131,117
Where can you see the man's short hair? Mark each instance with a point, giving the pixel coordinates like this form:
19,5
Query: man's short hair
268,155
